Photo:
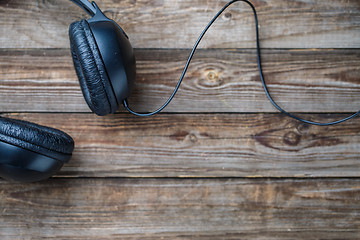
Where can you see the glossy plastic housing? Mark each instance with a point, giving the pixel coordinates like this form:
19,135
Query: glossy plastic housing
116,53
21,165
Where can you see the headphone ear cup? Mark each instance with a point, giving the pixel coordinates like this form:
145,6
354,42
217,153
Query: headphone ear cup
31,152
90,69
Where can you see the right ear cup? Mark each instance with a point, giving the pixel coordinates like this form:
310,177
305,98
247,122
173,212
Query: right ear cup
31,152
91,70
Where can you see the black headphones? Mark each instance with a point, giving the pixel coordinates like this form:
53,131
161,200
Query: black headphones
105,65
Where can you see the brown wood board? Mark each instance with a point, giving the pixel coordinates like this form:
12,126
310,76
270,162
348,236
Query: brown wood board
217,81
177,24
206,145
220,162
181,209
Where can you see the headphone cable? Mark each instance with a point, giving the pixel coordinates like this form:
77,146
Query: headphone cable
125,103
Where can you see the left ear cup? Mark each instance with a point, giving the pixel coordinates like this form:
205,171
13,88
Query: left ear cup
91,70
31,152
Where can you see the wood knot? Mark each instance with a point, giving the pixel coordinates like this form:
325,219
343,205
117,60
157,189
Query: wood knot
179,135
227,16
192,137
303,128
292,138
211,78
184,135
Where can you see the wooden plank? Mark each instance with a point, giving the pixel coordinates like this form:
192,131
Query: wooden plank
206,145
176,24
217,81
181,209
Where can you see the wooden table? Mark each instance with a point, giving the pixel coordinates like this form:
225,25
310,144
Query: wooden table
220,162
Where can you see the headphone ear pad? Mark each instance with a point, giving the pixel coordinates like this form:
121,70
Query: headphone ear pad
34,137
24,144
90,69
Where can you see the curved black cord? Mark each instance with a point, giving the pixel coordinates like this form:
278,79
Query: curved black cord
125,103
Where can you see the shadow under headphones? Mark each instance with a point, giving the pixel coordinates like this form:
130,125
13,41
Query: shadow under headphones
105,65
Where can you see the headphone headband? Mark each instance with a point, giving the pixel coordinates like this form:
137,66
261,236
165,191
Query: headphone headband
86,5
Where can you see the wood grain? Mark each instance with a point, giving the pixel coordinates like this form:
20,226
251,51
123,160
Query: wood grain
176,24
217,81
220,163
181,209
206,145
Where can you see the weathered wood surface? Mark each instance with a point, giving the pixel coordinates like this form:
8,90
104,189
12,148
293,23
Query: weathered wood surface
206,145
176,24
217,81
181,209
221,163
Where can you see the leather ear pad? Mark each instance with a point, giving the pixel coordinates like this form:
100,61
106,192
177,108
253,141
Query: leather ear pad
40,139
90,69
